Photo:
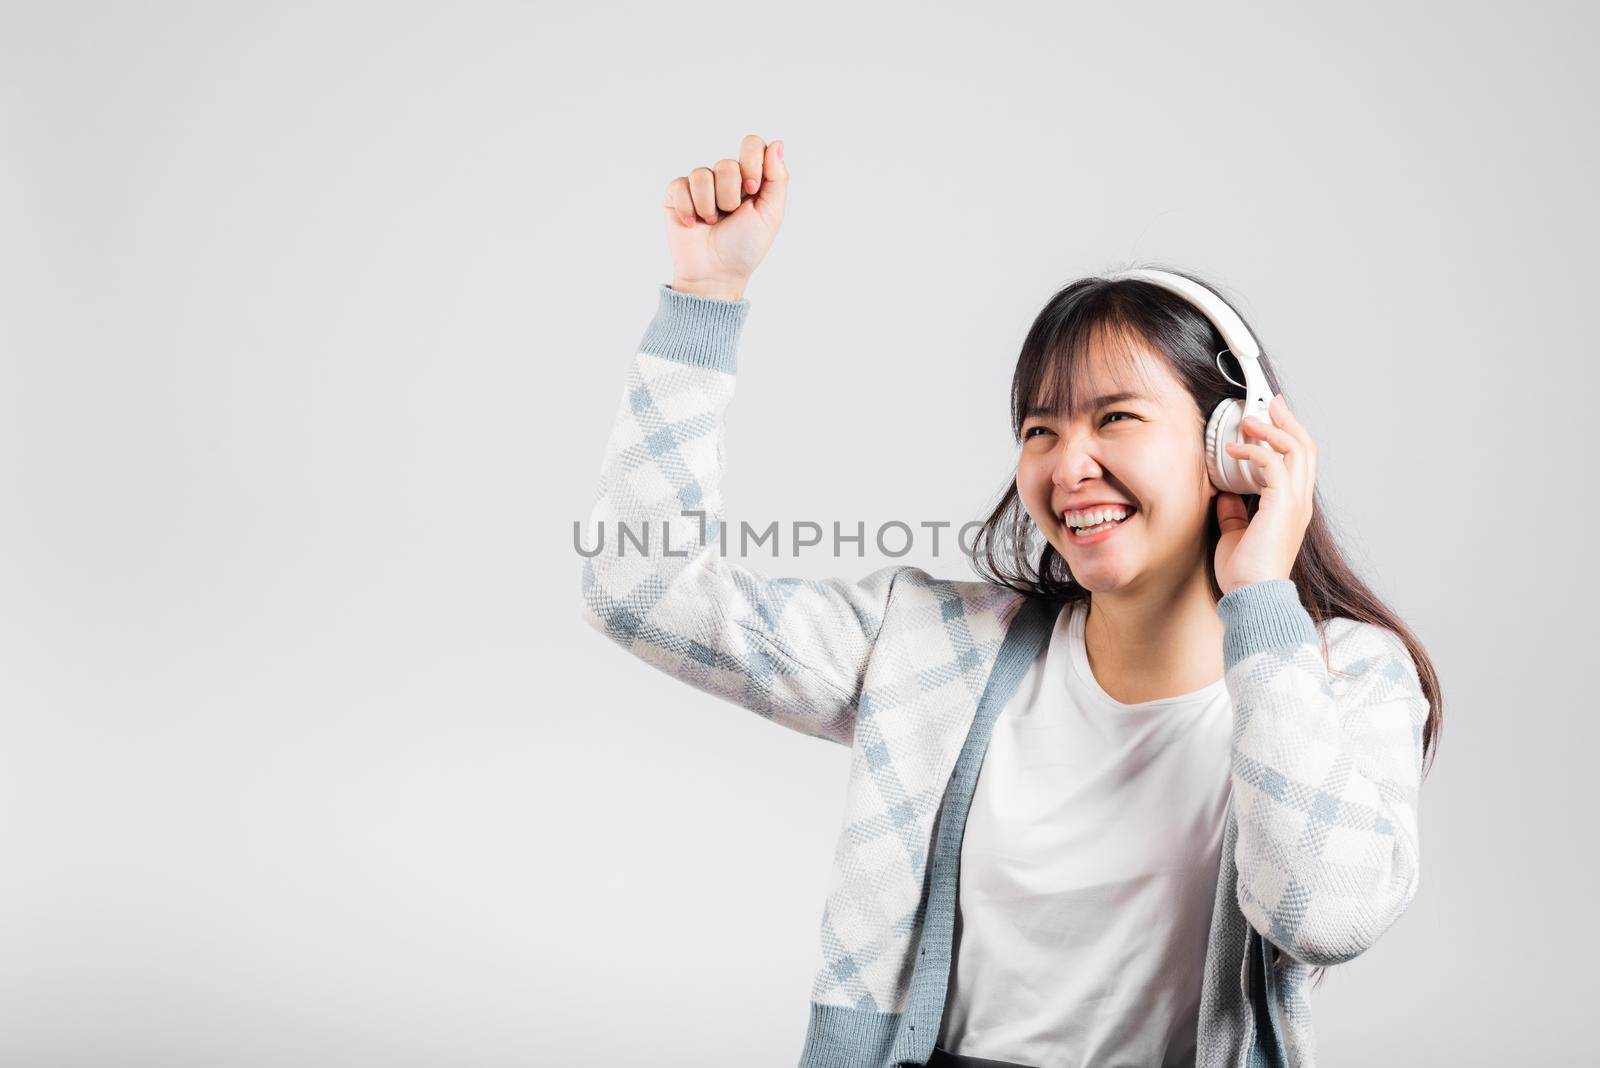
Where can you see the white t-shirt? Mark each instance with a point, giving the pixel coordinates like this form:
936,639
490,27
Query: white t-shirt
1088,868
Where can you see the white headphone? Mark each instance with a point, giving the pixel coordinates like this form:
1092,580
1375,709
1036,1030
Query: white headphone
1228,472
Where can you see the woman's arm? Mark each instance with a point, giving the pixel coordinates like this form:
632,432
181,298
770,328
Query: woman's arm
792,650
1326,773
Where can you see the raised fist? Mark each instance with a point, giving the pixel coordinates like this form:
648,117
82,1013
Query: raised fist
721,219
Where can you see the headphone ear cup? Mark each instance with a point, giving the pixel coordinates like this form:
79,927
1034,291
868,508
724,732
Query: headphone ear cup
1223,427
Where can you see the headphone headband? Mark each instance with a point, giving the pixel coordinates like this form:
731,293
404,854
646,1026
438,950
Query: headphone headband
1240,341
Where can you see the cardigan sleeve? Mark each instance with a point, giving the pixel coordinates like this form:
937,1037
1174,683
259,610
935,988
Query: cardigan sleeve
1326,773
660,586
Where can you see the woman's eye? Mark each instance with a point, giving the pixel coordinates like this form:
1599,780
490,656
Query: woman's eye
1028,432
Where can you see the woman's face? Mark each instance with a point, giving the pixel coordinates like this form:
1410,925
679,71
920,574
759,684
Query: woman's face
1146,451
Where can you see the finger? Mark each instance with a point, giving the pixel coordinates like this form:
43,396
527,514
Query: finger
679,201
1268,461
751,151
774,185
703,190
1291,438
1260,454
1231,512
727,181
1279,410
1278,437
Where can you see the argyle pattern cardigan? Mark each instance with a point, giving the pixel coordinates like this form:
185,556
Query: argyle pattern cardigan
1320,848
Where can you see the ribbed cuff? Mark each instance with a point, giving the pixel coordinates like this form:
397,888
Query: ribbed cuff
841,1037
700,330
1263,615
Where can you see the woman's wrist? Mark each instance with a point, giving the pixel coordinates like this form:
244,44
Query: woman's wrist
714,289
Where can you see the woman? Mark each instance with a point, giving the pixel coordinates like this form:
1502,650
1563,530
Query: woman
1201,736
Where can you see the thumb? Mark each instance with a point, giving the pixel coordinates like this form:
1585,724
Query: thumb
1231,512
774,193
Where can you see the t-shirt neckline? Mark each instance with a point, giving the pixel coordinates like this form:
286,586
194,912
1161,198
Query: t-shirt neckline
1076,618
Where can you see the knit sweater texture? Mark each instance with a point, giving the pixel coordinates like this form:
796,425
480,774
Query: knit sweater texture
1320,851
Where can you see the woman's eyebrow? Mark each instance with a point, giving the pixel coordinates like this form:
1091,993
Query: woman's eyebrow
1098,402
1118,398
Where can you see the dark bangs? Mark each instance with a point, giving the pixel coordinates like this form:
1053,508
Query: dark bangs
1098,320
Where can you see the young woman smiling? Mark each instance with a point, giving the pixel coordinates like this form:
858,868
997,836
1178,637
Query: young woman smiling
1113,803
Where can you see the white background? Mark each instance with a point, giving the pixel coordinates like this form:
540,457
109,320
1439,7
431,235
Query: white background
312,323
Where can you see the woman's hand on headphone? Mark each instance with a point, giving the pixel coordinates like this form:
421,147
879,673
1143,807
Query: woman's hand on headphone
721,219
1264,546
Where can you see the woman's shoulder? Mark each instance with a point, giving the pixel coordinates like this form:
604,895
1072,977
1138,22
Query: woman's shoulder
921,599
1358,648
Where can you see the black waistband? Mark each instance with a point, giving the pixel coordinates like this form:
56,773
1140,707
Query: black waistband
943,1058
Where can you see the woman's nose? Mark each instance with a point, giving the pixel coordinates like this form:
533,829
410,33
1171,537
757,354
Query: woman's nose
1074,465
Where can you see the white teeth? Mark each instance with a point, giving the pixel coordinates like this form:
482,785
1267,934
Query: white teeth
1084,532
1095,516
